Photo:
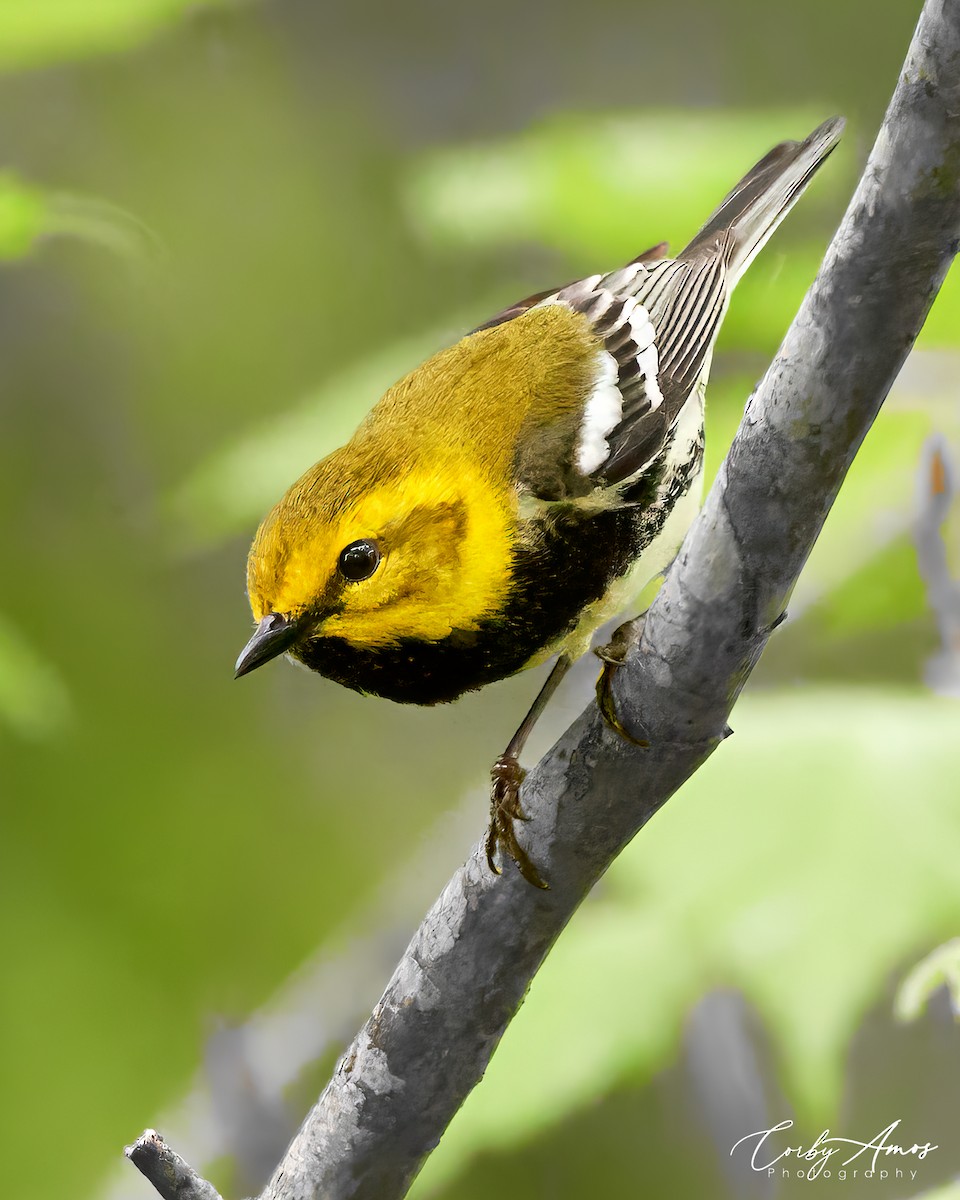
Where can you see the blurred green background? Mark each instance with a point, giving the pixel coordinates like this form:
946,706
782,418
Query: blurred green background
225,229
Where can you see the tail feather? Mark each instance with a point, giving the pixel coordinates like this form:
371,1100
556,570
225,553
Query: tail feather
763,197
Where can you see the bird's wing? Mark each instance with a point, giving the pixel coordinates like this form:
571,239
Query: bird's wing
515,310
655,321
658,323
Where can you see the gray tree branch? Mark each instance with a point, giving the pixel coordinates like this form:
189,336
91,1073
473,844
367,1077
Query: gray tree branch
170,1175
465,973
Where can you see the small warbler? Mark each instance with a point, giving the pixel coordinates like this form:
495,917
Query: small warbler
518,489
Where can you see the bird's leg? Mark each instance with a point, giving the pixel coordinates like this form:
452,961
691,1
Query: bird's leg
507,776
613,655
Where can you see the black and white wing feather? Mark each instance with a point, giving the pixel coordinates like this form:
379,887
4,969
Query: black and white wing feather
657,320
658,323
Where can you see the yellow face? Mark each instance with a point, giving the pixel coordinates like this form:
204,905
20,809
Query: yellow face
423,498
415,555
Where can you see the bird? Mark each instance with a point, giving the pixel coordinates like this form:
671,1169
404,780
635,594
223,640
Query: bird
518,489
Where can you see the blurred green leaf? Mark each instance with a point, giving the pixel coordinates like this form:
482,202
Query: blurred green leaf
34,701
862,572
601,189
875,508
23,212
937,970
586,184
950,1192
33,32
811,947
100,223
942,327
883,594
29,214
235,487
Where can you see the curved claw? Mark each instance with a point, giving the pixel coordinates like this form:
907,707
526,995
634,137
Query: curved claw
508,775
612,657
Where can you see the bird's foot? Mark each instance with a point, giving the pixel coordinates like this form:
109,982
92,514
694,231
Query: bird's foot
613,655
507,776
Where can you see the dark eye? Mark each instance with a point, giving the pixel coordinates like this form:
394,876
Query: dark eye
359,561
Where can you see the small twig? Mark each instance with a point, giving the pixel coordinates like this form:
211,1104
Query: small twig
165,1169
